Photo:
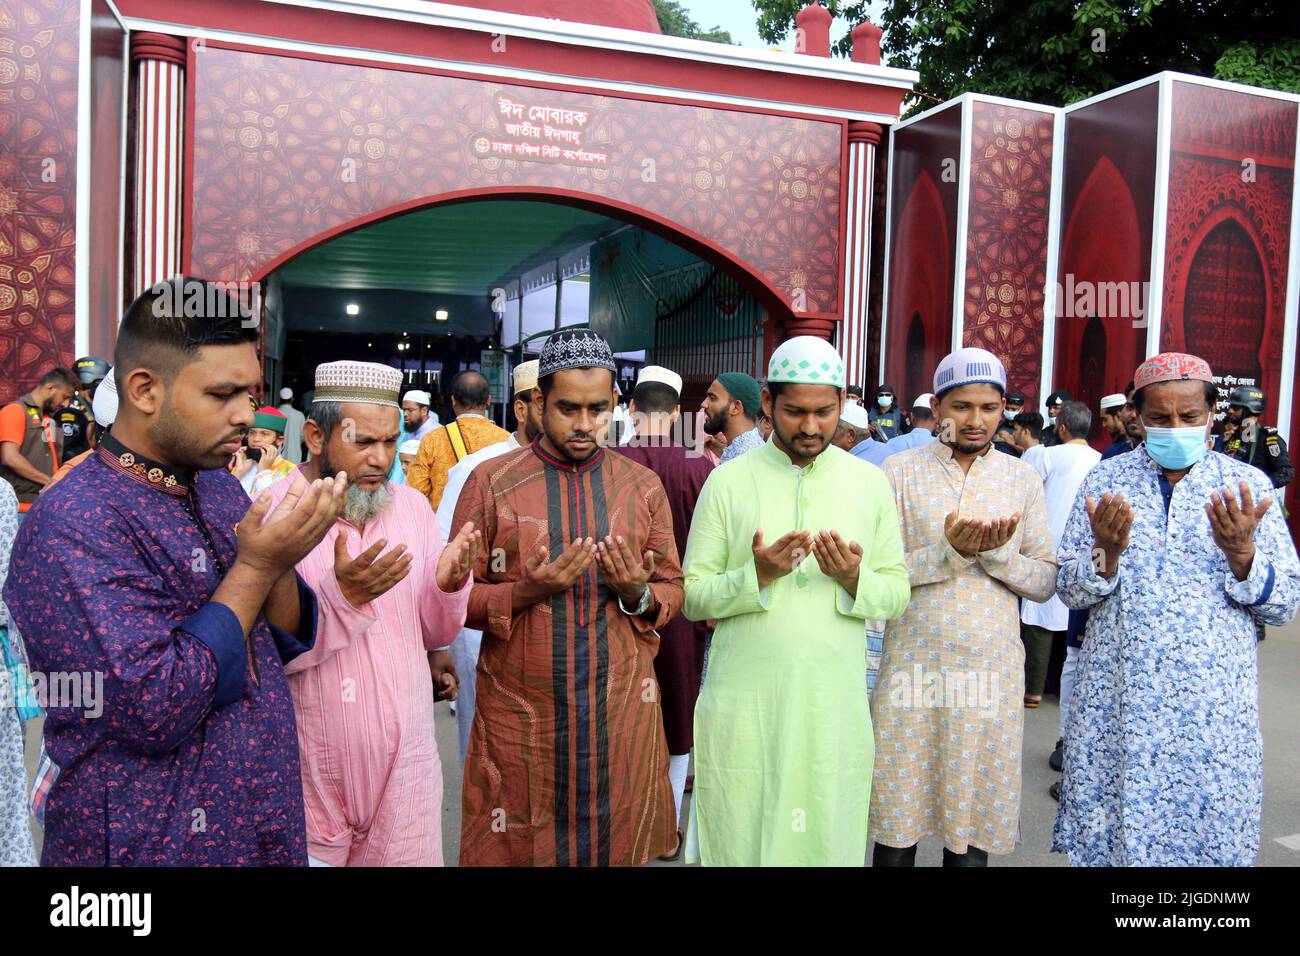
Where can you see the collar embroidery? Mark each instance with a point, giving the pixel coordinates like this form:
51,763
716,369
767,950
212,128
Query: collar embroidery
172,481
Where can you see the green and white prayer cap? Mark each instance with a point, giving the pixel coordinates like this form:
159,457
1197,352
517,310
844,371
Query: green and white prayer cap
806,360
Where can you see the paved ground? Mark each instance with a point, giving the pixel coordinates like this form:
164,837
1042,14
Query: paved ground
1279,664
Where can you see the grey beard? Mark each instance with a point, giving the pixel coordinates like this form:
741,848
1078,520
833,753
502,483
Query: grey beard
362,505
359,505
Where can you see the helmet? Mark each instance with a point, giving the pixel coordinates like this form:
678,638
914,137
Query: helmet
1249,398
91,369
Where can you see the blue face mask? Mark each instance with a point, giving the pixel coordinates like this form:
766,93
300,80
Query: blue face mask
883,401
1176,448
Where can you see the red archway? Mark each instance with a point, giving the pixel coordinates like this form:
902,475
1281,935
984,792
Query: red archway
767,294
1102,244
780,322
1226,253
920,286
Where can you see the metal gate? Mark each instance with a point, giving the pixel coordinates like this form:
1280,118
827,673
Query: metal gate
706,323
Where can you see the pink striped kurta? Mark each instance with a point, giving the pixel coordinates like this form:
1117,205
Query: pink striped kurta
363,698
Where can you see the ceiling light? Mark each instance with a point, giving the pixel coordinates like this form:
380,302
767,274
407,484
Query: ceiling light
352,308
441,315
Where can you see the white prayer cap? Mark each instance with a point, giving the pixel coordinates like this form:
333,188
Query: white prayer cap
104,406
366,383
806,360
1113,401
969,366
525,376
664,376
286,394
855,415
922,400
410,447
417,396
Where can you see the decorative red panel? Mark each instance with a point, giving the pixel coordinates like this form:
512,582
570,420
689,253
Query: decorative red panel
1006,237
922,250
1228,235
286,149
1107,212
38,189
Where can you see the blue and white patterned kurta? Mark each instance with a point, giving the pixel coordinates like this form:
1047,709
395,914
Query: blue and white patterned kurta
15,829
1163,756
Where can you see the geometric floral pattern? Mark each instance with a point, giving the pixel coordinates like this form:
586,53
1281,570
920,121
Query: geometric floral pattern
1214,131
1007,238
38,189
287,148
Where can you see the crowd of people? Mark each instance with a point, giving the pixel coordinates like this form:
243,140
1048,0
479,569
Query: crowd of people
236,620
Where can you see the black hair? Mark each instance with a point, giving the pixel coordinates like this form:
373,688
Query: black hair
471,390
1076,417
1031,422
525,396
60,376
167,324
923,413
1211,396
654,397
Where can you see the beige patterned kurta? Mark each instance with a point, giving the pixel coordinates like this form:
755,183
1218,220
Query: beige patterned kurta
948,706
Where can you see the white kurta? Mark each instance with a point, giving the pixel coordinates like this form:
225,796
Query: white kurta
465,648
1062,468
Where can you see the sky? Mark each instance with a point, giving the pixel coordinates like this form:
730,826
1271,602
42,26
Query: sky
741,19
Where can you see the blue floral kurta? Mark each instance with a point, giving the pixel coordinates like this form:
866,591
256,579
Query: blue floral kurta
15,830
1163,756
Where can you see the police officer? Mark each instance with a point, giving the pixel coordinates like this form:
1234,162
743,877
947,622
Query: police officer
1054,403
1253,443
76,420
886,417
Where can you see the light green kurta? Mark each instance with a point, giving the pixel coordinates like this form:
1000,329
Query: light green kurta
783,739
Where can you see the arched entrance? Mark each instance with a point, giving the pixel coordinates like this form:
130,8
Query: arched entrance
428,286
1225,309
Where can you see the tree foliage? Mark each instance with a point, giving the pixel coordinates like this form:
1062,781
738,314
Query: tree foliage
675,21
1060,51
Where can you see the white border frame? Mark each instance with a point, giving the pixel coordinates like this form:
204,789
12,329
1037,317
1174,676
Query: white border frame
484,71
1118,91
81,286
122,291
889,248
614,38
81,224
889,217
963,222
1232,87
1055,199
1160,218
1286,389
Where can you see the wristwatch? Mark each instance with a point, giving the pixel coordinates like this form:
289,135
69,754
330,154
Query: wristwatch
641,608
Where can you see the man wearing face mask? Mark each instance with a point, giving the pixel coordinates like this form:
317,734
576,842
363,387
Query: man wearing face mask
1003,440
1054,403
1178,552
886,417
